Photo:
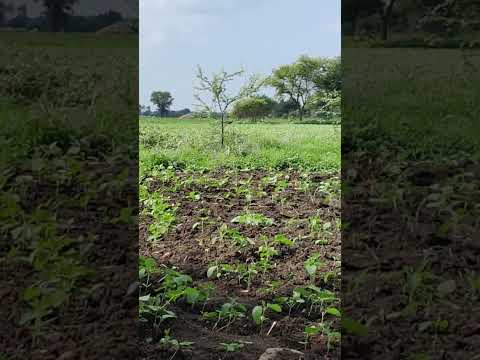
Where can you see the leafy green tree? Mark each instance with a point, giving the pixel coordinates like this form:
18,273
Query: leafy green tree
329,75
297,81
162,100
253,108
57,12
220,99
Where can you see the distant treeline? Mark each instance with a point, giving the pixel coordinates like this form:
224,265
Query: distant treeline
276,109
74,23
147,111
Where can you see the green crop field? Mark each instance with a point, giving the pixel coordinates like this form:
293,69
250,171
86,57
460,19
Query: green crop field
280,144
69,132
239,238
425,99
411,151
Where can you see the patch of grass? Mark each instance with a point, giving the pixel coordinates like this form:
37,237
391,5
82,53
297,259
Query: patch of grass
195,143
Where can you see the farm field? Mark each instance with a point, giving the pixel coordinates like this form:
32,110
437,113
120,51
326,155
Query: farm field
68,142
239,247
410,152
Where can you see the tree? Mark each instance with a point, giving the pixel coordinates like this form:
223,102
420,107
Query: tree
329,75
297,81
352,10
386,14
4,9
57,12
220,99
162,100
252,108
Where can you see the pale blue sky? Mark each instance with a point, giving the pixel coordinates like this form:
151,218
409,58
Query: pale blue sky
258,35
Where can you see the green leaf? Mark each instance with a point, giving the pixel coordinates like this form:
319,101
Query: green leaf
311,330
275,307
354,327
192,295
257,314
283,240
211,271
333,311
311,269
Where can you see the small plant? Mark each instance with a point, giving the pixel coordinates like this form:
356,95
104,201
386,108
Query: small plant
234,235
232,347
227,314
259,312
311,266
246,273
266,252
169,342
163,216
194,196
271,287
283,240
309,332
253,219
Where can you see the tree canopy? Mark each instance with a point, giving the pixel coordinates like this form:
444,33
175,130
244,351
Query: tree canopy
162,100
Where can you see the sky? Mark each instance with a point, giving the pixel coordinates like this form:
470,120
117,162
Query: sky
256,35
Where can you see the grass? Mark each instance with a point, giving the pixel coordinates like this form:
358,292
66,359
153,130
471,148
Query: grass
425,99
196,143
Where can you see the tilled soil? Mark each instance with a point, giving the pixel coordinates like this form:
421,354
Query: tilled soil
410,261
193,244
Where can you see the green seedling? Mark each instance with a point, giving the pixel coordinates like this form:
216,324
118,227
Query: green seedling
194,196
283,240
227,314
266,252
259,312
234,235
253,219
309,332
246,273
173,344
312,265
232,347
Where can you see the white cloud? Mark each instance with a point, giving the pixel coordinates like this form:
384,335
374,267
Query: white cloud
162,21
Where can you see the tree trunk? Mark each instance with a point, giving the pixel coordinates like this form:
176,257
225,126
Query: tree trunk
301,113
223,121
384,28
387,14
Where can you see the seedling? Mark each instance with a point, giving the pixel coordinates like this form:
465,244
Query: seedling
253,219
266,252
283,240
171,343
194,196
259,312
309,332
246,273
234,235
227,314
232,347
311,266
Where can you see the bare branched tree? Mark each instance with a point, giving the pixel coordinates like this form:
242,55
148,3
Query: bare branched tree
220,100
